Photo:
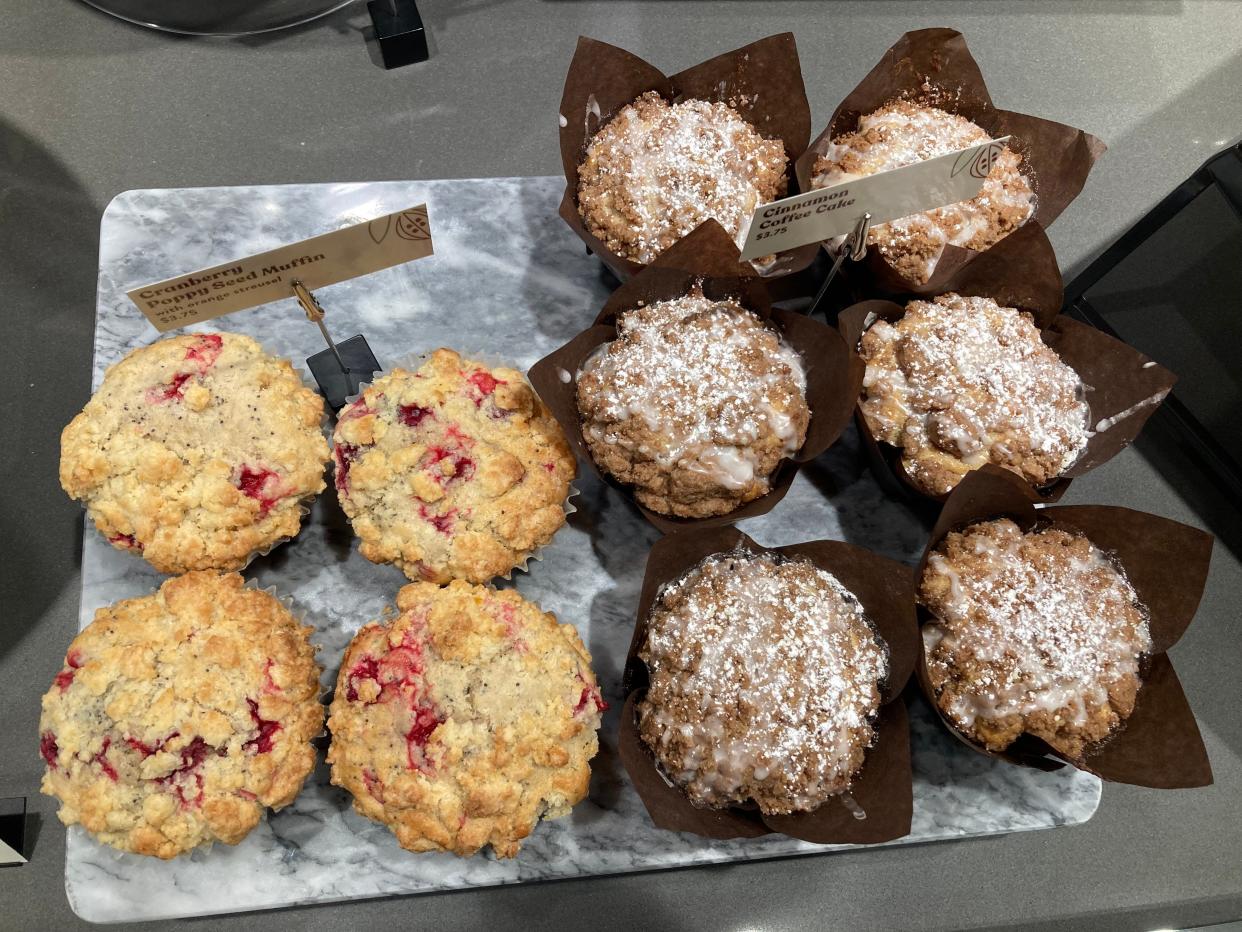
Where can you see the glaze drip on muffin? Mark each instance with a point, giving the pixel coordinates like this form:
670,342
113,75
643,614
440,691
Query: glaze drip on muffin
960,382
694,404
657,170
765,680
1036,632
901,133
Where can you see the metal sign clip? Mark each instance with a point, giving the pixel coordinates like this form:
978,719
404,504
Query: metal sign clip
854,247
341,369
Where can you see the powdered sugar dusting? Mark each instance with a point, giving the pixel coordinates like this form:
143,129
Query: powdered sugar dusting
1037,631
709,383
960,382
765,679
902,133
658,170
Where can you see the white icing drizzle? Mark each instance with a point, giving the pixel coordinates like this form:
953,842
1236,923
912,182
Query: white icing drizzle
1106,422
902,133
696,387
850,803
679,165
1044,621
765,681
973,379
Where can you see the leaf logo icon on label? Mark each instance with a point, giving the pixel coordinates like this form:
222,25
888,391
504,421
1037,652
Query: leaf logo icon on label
979,163
378,228
413,225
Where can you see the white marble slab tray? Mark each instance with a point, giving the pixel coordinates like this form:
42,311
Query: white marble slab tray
507,278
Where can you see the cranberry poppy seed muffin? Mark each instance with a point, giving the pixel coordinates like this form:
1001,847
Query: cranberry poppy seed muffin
197,452
1036,632
656,170
694,404
465,719
454,471
180,717
903,132
765,680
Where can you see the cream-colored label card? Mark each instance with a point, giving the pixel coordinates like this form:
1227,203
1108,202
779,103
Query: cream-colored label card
824,213
321,260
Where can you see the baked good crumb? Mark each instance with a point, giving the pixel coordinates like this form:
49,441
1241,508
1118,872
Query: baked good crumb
960,382
180,717
765,680
465,719
197,452
694,404
453,471
903,132
1035,632
656,170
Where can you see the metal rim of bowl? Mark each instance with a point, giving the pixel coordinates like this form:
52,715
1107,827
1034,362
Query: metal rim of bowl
100,5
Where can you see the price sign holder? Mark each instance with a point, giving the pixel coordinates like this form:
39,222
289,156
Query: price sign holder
854,248
340,370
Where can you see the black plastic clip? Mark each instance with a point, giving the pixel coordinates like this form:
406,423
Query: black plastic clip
399,32
341,369
13,831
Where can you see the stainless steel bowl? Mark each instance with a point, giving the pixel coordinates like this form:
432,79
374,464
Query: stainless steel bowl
219,17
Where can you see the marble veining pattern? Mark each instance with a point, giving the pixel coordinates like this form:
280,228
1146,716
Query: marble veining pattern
509,280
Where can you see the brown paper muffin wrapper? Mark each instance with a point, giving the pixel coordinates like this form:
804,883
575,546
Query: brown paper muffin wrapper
1125,387
1159,745
934,67
761,81
833,371
882,789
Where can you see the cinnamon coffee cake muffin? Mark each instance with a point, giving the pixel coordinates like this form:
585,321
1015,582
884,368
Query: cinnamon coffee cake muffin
656,170
694,404
454,471
180,717
1035,632
960,382
465,719
765,680
901,133
197,452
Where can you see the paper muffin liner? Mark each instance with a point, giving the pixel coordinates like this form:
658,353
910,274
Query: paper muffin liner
933,66
708,255
1159,745
411,361
882,789
1124,386
300,614
762,81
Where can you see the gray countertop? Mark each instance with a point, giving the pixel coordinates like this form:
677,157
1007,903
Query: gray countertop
91,107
